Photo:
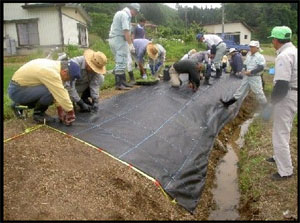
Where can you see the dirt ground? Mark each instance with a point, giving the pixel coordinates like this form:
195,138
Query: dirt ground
49,176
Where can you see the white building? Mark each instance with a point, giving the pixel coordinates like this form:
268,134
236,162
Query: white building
31,26
240,32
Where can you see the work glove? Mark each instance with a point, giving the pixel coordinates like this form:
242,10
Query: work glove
131,48
69,117
61,113
83,106
267,112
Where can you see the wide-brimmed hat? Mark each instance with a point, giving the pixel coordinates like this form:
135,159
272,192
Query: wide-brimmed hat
96,60
152,51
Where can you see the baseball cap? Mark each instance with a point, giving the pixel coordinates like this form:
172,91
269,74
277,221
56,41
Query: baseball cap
135,6
74,70
281,32
199,35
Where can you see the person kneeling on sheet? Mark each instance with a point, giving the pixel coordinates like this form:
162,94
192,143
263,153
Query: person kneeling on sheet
236,63
37,83
191,67
92,69
205,58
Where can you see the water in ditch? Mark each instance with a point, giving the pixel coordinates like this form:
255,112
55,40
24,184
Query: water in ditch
226,193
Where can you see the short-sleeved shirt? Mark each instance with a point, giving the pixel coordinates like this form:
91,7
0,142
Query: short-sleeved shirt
211,39
139,32
253,60
161,55
140,46
286,64
44,72
190,67
121,22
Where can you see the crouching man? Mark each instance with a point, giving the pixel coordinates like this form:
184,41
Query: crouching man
85,91
191,67
38,83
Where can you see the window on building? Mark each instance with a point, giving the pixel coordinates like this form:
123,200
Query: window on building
245,36
81,35
28,33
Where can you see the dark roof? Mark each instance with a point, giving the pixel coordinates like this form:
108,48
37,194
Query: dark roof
69,5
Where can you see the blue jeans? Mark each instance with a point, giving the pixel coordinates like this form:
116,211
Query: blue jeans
30,96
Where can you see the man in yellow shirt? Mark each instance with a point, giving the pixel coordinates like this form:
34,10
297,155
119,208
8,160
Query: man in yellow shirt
38,83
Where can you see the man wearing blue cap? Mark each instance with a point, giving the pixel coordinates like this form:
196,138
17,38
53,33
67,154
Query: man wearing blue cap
120,42
283,100
38,83
217,47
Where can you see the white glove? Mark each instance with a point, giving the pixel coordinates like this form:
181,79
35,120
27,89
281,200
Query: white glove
131,48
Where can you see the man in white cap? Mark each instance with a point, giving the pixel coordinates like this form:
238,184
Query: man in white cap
85,91
217,47
283,100
236,63
120,41
254,66
38,83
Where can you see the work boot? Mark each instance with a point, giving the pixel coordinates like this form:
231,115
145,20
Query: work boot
119,85
206,82
131,76
18,112
124,81
276,177
228,103
39,114
270,160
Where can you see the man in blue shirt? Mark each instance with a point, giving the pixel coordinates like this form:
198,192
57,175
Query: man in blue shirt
139,31
236,63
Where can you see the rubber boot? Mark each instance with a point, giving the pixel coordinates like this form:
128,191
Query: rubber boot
118,82
218,73
124,81
39,114
131,76
228,103
206,81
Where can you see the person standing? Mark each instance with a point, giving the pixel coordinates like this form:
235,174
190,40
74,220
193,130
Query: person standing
254,64
120,42
217,47
92,68
139,31
38,83
283,100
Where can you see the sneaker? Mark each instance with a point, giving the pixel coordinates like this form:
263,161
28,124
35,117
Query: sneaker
39,118
270,159
144,76
276,176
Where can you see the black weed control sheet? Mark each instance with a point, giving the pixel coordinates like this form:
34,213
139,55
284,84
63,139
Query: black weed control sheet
165,132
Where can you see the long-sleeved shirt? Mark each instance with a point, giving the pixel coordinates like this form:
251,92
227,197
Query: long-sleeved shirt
121,22
91,80
140,46
190,67
236,62
44,72
255,63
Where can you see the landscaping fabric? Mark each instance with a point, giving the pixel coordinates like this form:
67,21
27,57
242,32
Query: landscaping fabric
165,132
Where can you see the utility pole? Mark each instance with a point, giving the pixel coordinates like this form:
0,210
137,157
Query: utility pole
223,20
185,20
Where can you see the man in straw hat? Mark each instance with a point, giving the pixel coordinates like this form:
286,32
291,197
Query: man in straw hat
254,65
38,83
93,68
283,100
120,41
236,63
157,57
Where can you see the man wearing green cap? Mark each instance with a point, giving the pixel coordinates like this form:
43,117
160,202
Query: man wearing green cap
283,100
